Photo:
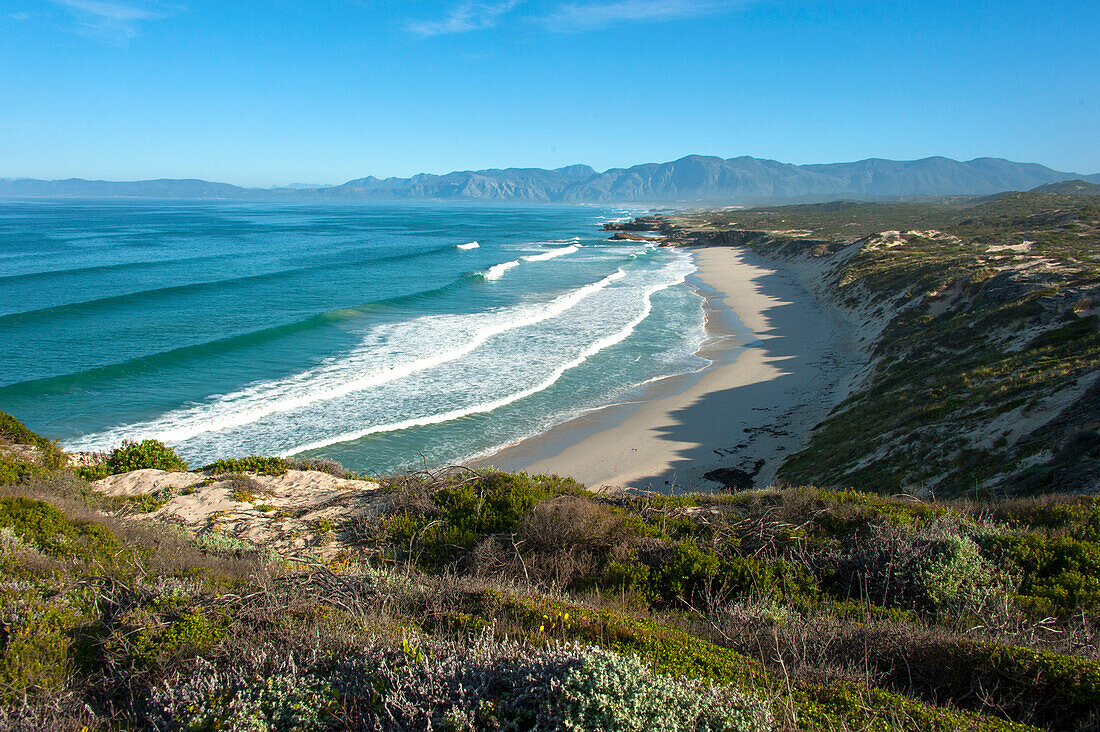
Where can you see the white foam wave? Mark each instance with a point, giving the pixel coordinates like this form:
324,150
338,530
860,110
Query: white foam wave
599,345
468,245
553,253
323,383
497,270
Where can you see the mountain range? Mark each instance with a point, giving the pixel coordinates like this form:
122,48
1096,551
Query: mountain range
692,179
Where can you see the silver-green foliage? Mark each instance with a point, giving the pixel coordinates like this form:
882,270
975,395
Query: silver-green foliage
282,703
618,693
956,576
225,545
476,683
936,566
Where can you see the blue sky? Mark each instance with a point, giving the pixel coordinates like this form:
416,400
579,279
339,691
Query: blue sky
321,91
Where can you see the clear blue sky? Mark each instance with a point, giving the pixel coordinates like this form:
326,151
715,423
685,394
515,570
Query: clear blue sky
320,91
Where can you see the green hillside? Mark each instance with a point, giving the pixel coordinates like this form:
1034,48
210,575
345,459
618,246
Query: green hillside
984,371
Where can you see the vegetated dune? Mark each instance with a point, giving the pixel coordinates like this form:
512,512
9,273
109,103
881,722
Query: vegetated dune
980,323
291,514
482,600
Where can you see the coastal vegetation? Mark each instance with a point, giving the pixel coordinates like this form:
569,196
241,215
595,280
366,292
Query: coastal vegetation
478,600
981,331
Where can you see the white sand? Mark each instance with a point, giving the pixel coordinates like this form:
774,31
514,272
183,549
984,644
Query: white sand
748,410
283,513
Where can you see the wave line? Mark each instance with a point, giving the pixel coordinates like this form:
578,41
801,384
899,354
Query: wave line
249,415
550,254
485,407
191,288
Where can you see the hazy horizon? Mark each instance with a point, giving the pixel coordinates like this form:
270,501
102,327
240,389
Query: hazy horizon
314,186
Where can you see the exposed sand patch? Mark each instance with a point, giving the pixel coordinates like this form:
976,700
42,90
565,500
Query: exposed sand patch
298,512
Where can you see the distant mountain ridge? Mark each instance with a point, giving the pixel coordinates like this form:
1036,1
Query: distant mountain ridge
1071,188
692,179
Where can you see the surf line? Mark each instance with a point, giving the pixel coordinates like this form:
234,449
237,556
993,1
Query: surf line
485,407
202,421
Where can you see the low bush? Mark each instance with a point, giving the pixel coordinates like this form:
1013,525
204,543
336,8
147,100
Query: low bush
244,488
223,545
15,470
1075,516
156,642
39,524
461,512
143,455
15,431
691,573
1061,575
619,693
957,578
838,705
146,503
37,643
321,465
252,464
932,568
280,703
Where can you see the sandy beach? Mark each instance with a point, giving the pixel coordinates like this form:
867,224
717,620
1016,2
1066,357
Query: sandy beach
781,361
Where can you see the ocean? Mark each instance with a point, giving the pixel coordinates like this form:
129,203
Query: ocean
388,337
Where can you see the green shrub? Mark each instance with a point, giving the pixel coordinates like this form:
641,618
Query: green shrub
689,571
465,512
147,503
223,545
1067,688
93,472
190,633
41,525
15,470
850,510
1074,516
618,693
1061,575
497,502
35,653
958,577
15,431
631,577
276,704
251,464
676,653
143,455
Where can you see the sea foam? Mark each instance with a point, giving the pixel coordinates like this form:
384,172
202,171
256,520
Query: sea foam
338,378
603,343
497,270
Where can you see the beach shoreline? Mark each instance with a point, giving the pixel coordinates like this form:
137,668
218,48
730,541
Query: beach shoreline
781,359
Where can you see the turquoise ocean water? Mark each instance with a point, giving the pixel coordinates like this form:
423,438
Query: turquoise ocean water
383,336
